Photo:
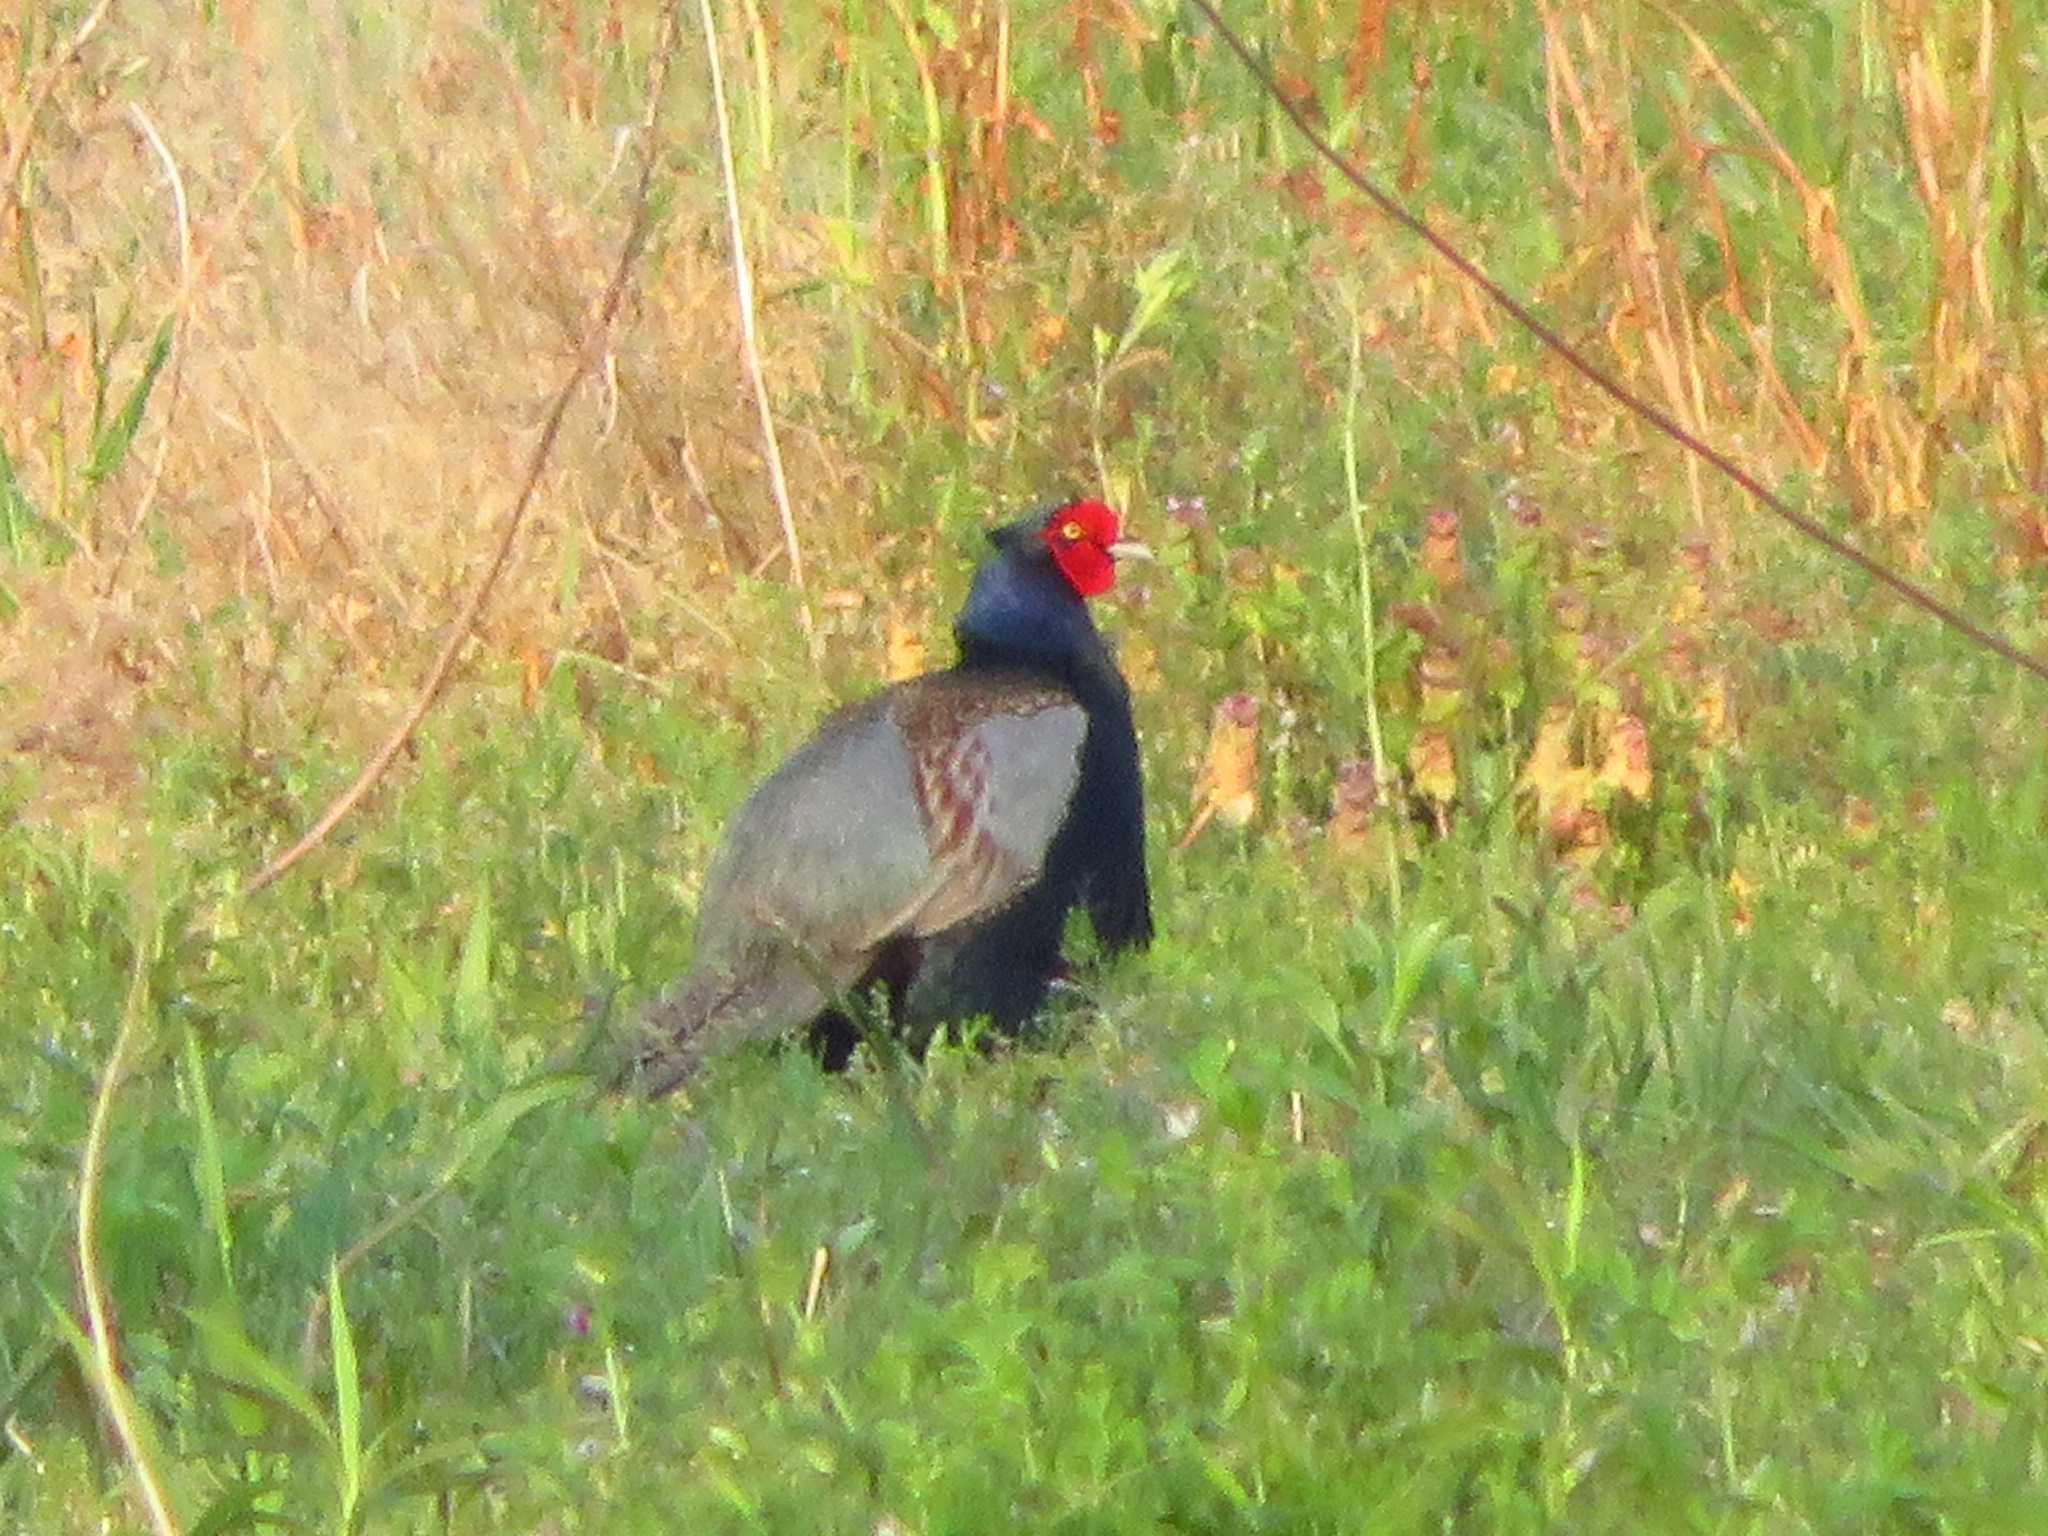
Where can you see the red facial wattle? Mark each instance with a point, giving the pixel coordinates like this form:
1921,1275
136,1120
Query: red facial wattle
1079,536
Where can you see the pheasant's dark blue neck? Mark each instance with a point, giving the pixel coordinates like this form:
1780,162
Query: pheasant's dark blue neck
1021,612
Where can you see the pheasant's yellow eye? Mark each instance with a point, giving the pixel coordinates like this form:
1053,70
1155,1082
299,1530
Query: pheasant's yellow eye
1072,532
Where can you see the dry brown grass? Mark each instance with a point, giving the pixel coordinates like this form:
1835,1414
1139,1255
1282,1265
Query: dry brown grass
1881,442
396,248
399,223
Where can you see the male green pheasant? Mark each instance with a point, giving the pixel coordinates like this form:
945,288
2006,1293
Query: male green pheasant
932,839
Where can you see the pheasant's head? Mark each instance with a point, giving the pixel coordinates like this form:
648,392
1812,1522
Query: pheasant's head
1028,606
1084,540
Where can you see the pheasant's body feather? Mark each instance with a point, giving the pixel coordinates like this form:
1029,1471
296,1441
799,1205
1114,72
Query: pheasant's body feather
932,837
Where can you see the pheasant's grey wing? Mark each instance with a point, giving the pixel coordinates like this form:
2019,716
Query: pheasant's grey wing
823,862
930,804
831,846
995,791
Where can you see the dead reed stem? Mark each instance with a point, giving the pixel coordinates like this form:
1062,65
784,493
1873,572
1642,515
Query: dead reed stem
743,285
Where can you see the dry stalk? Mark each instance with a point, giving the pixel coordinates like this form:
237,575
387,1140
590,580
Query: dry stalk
1809,527
465,621
1591,123
821,1263
1735,300
266,512
946,226
1367,47
355,549
996,158
1886,451
2025,387
1563,85
1950,158
1670,337
39,97
180,325
743,283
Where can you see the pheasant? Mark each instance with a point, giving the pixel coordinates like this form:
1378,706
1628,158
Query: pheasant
932,839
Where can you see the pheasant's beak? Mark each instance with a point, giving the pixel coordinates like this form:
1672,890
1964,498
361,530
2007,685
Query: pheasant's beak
1130,549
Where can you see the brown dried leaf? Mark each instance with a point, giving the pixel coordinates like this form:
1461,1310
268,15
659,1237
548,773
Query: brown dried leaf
1961,1019
1023,117
1442,676
1368,45
2024,1182
1228,785
1441,555
1732,1194
1557,789
534,667
1246,568
1627,767
903,647
1423,620
1354,799
1741,888
1434,766
1548,775
1711,710
1859,819
1047,332
1581,835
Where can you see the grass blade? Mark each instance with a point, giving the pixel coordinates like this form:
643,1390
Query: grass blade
25,534
111,444
473,971
208,1174
348,1402
229,1352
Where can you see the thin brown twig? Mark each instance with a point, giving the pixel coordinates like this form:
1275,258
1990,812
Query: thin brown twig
1918,596
465,621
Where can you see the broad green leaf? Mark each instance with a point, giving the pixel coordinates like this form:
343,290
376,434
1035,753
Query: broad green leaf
238,1509
482,1136
1158,283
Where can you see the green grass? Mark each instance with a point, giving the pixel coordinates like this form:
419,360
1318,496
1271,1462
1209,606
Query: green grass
1677,1228
1694,1190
